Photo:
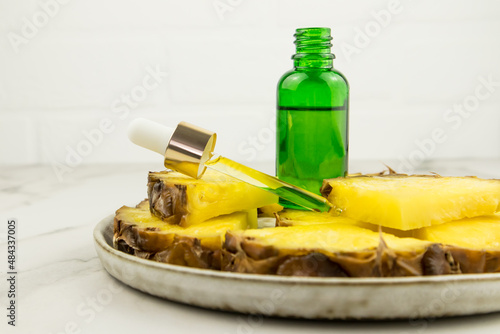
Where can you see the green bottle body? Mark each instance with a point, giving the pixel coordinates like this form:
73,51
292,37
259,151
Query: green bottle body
312,120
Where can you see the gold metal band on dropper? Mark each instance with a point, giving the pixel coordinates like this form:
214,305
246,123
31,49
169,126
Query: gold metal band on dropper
189,148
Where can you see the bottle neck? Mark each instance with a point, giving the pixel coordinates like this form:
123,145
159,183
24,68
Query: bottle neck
312,62
313,49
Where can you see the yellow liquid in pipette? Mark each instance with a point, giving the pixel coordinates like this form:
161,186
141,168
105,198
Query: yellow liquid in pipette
300,197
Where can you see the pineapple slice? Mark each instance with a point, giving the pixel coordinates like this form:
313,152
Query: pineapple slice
138,232
329,237
179,199
479,233
410,202
473,243
291,217
342,250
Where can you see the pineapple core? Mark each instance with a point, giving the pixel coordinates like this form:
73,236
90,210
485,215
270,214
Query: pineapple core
406,203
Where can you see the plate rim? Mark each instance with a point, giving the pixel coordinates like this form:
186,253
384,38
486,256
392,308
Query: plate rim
100,241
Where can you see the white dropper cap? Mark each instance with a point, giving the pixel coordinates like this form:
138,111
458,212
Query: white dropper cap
185,148
150,135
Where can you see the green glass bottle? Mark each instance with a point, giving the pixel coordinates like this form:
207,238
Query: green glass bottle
312,115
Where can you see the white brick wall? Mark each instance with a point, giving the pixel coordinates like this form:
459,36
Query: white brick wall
223,67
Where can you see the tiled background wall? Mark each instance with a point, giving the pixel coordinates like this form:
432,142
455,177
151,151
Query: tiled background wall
424,75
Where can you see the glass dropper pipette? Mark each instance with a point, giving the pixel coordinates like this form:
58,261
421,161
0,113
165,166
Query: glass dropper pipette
188,149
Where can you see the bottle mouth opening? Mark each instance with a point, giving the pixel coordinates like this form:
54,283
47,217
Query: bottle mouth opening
313,31
313,40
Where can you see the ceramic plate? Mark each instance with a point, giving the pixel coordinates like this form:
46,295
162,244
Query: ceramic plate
302,297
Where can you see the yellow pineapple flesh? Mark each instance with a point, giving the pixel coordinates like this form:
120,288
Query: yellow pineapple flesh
479,233
179,199
292,217
411,202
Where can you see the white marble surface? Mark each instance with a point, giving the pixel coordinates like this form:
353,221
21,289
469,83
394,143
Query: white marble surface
62,287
